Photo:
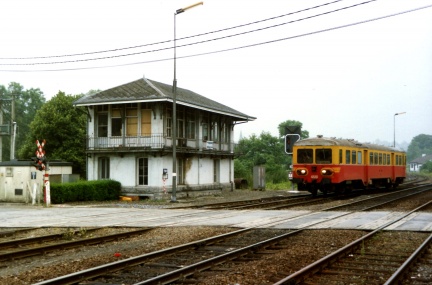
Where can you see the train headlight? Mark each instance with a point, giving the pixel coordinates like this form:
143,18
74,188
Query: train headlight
326,172
301,171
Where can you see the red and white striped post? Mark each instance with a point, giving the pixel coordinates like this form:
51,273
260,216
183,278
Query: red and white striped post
40,153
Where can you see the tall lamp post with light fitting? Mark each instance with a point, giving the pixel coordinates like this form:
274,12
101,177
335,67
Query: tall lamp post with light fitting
394,127
174,115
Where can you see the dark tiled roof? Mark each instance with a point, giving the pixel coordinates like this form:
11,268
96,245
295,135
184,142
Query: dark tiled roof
422,159
146,90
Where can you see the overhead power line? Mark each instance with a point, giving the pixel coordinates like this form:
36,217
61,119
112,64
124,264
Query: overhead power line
194,43
235,48
168,41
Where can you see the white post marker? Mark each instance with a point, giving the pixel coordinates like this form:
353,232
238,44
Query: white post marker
47,191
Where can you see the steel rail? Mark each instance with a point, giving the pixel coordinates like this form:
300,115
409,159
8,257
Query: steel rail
11,232
240,203
208,263
136,260
420,190
400,273
318,265
67,245
39,239
121,264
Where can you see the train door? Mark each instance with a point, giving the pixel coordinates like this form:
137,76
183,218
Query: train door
365,167
393,167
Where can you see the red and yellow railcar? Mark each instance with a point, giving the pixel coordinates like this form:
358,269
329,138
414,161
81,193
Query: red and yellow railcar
339,165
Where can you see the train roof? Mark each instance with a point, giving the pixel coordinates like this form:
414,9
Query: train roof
322,141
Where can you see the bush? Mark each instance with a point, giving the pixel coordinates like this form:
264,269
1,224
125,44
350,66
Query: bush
100,190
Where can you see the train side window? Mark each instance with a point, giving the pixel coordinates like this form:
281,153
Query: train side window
304,156
353,157
371,155
388,159
359,157
347,156
340,156
380,159
323,155
375,158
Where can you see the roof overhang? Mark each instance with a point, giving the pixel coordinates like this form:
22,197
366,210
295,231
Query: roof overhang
245,118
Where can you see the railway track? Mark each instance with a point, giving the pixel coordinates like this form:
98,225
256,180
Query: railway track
417,268
367,260
369,203
287,202
177,263
21,248
320,203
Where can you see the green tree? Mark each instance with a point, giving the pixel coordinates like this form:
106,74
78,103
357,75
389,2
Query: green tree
304,133
64,129
265,150
427,167
421,144
26,104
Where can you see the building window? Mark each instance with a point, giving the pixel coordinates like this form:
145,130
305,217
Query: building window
116,122
104,168
190,125
225,133
180,123
215,131
102,125
143,171
205,127
145,122
131,120
169,122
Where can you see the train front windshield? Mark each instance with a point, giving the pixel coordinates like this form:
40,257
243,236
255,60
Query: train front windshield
305,156
322,156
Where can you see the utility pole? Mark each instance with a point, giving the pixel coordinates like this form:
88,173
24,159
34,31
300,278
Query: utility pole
1,136
12,129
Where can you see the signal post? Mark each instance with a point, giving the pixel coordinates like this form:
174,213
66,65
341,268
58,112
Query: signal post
41,164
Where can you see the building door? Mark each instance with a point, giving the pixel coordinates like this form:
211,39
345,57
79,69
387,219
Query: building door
104,168
180,171
216,169
143,171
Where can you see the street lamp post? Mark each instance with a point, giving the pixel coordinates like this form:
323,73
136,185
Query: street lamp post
394,127
174,115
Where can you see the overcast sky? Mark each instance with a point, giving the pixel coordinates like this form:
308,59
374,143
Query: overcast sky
342,69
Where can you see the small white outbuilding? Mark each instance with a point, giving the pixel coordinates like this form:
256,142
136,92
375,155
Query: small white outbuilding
21,182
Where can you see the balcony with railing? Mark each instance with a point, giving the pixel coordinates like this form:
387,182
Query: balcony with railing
154,142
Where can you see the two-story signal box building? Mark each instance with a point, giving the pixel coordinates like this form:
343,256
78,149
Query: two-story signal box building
129,139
